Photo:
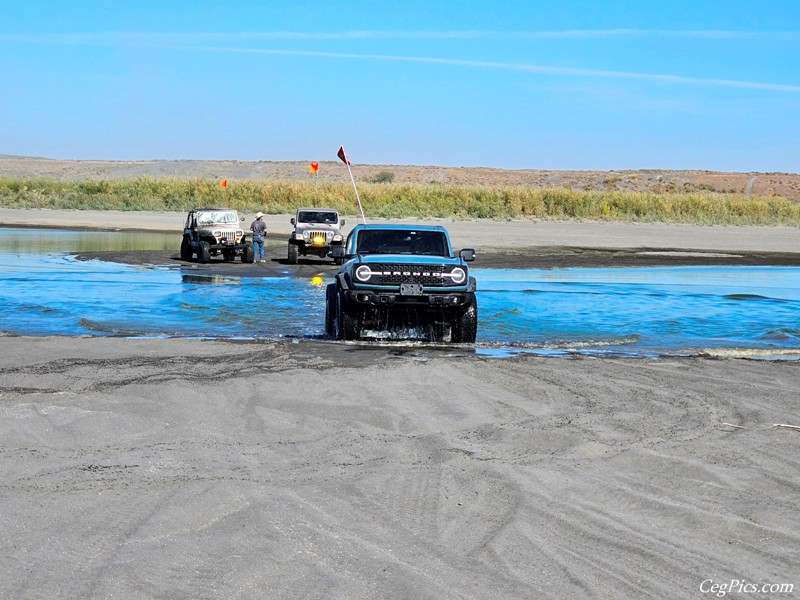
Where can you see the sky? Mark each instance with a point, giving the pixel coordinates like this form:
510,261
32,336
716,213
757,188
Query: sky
518,85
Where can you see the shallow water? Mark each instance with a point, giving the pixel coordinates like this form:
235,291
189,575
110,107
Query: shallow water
748,311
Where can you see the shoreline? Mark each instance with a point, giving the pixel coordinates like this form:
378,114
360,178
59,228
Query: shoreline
500,244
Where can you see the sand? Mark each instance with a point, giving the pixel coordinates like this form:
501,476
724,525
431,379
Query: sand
170,468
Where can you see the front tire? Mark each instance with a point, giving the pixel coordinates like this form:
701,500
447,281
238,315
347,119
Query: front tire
292,255
203,252
330,308
186,249
248,254
347,320
464,328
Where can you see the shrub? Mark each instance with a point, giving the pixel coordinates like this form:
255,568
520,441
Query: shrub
382,177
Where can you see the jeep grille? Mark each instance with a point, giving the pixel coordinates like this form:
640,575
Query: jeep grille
395,274
228,236
323,234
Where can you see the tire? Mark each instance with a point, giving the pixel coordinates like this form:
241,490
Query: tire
464,328
292,256
203,252
338,261
347,320
248,254
330,308
186,249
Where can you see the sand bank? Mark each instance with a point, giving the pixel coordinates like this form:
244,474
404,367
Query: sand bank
178,468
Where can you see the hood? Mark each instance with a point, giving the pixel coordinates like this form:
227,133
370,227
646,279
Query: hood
409,259
316,227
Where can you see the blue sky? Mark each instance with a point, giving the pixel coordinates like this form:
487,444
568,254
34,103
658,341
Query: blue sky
534,85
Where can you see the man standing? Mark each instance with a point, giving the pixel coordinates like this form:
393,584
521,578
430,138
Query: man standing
259,229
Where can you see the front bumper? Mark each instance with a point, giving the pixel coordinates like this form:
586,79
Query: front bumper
393,299
229,246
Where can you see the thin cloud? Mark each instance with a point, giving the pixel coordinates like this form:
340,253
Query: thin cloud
191,42
519,67
204,37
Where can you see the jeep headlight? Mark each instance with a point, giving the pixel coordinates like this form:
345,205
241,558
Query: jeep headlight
363,273
306,235
458,275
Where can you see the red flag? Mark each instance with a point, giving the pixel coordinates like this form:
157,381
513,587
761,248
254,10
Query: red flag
224,183
313,167
342,156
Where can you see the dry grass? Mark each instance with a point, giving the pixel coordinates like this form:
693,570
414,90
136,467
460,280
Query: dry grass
402,200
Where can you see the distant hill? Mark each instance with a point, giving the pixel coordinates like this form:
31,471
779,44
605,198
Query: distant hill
763,184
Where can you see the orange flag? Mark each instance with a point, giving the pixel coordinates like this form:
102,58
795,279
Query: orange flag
313,167
224,183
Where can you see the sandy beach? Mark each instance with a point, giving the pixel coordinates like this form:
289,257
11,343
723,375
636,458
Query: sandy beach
174,468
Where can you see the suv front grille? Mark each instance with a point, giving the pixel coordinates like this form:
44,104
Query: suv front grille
395,274
228,236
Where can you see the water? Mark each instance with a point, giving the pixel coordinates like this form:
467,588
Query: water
645,311
749,311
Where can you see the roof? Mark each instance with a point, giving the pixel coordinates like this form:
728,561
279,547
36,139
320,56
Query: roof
402,227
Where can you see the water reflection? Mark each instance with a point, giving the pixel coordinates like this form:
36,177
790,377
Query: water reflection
44,241
209,279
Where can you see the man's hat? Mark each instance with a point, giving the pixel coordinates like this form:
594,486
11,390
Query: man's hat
259,215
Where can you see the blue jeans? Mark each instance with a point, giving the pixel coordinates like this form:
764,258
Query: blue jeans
258,248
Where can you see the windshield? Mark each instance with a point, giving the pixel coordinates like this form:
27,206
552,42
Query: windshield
212,217
377,241
317,216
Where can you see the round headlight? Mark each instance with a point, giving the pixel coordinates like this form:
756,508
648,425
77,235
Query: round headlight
363,273
458,275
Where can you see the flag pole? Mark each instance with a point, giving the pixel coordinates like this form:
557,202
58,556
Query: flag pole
343,157
363,218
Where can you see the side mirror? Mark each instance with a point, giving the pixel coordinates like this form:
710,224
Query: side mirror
341,223
292,221
467,254
242,219
337,251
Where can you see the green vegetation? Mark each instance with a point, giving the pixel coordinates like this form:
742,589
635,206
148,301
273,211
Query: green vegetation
382,177
399,200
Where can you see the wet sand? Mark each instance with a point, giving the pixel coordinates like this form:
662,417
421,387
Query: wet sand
201,469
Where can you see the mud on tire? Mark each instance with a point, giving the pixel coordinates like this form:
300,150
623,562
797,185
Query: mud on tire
347,320
464,327
292,254
203,252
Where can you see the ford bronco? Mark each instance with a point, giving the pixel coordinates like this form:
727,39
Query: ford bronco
398,278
